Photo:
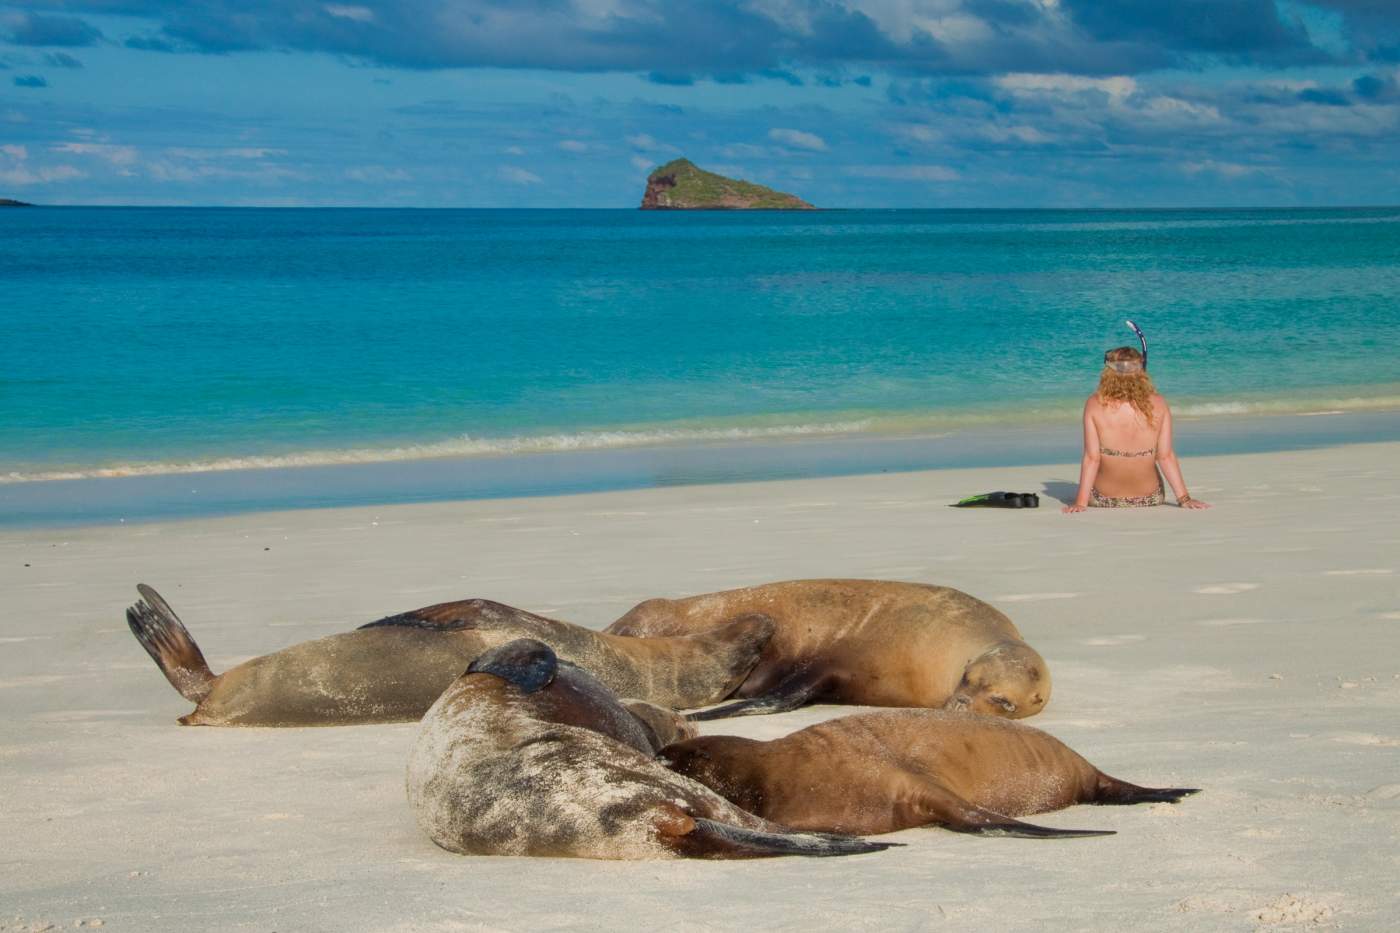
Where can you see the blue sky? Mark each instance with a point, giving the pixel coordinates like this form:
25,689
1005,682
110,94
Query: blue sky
848,103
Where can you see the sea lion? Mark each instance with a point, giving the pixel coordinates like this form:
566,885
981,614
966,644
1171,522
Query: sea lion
526,754
393,669
866,642
664,726
895,769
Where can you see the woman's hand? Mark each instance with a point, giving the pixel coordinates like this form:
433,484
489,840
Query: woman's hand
1074,507
1193,504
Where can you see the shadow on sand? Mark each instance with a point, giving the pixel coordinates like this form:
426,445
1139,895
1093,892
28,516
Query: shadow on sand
1061,490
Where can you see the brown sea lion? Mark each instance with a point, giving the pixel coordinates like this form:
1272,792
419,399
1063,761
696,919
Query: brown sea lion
392,670
866,642
526,754
663,725
890,770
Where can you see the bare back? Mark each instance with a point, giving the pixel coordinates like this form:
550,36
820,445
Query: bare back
1128,446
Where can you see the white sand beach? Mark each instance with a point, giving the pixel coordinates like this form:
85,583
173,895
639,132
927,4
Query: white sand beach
1252,650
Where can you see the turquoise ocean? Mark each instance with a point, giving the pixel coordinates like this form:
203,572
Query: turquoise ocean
335,356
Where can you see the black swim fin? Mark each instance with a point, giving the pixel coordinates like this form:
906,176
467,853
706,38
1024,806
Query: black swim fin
1000,500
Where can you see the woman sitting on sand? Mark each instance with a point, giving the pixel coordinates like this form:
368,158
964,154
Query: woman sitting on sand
1127,437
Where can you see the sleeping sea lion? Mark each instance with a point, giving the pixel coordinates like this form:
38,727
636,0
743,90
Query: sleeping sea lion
896,769
866,642
392,670
526,754
663,726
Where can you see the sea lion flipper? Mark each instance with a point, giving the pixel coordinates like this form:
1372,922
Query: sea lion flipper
698,837
948,809
169,644
799,688
526,663
443,618
1111,791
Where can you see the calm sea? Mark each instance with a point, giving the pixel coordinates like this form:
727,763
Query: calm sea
160,341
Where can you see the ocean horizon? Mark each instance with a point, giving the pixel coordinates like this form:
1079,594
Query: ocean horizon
157,342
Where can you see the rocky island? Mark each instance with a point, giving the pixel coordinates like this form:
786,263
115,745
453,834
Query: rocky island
681,186
11,202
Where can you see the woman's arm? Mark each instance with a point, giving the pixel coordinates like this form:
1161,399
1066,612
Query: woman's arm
1089,465
1166,459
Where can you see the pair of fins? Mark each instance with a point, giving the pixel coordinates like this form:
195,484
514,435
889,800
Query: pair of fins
1000,500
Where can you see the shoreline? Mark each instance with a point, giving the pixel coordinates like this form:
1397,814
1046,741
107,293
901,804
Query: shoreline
183,496
1249,650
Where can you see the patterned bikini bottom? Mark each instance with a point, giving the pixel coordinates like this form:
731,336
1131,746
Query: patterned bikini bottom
1099,501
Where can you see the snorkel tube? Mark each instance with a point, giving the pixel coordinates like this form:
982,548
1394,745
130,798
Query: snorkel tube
1142,340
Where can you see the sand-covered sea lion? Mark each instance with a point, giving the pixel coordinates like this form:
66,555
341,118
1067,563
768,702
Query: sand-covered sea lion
896,769
393,669
867,642
526,754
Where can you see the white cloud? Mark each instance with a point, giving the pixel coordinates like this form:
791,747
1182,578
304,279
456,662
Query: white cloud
955,28
15,168
519,176
645,142
919,132
514,150
642,163
905,172
117,155
745,151
1117,88
1223,169
573,145
235,153
359,14
797,139
1178,109
1016,133
376,174
18,175
196,170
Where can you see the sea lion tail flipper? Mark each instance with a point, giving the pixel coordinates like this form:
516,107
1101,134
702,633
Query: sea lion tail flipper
1007,826
169,644
1114,792
698,837
797,689
737,842
942,806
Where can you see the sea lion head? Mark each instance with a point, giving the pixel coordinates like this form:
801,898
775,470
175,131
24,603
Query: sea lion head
1009,679
666,725
724,763
527,664
552,690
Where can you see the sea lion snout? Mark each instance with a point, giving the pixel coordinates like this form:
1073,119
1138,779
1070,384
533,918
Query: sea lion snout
985,702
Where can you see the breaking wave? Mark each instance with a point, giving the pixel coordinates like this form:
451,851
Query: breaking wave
772,428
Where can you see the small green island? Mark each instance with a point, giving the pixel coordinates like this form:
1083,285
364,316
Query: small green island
11,202
680,185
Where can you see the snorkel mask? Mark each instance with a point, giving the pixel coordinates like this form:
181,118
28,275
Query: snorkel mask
1128,367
